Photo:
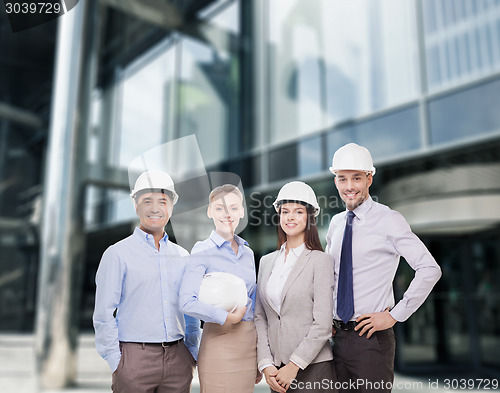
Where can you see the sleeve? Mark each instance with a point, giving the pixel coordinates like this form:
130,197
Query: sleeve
427,271
190,287
193,335
109,280
264,356
321,328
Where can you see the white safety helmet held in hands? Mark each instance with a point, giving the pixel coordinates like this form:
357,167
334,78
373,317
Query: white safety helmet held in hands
297,191
352,157
154,181
223,290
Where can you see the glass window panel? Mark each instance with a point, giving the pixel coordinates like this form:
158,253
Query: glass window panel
487,273
384,136
433,61
310,156
283,163
108,206
95,127
465,114
464,54
430,16
332,60
208,86
467,41
249,170
145,115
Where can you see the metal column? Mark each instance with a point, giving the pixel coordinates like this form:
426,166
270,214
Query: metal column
62,238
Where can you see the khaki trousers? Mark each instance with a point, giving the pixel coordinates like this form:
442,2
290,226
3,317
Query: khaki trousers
151,368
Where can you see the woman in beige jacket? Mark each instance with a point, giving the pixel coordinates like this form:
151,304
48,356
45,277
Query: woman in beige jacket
293,310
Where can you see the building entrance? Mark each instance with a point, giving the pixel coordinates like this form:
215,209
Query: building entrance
458,327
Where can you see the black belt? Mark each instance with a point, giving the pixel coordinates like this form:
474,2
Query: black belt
344,326
163,344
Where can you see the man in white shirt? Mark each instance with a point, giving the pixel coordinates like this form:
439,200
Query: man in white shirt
366,242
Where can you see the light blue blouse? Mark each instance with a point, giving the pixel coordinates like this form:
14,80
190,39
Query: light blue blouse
216,255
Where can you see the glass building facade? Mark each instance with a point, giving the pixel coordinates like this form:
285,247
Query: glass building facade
271,89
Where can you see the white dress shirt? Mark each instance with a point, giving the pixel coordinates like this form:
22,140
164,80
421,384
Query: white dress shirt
281,270
380,236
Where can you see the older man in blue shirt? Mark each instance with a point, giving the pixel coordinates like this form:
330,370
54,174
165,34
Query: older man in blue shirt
148,344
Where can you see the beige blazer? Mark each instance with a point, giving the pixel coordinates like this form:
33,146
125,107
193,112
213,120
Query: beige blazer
301,330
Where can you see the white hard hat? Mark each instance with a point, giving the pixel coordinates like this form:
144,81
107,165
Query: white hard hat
297,191
155,181
352,157
223,290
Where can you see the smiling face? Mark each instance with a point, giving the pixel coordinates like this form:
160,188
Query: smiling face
154,210
293,219
226,210
353,187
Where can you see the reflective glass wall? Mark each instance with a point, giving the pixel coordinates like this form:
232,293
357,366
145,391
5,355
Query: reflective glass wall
270,89
399,77
462,40
187,82
329,61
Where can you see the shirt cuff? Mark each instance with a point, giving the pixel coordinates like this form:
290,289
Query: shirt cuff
114,360
400,313
298,365
298,361
265,363
261,368
220,316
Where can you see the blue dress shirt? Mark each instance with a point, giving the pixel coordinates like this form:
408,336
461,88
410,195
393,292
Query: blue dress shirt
142,283
216,255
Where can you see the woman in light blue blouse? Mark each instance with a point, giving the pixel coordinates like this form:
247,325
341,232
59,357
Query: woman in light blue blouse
228,357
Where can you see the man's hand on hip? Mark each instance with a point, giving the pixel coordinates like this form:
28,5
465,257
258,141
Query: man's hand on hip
373,322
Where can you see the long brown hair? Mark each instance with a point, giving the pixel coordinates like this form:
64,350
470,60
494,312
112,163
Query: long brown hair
311,236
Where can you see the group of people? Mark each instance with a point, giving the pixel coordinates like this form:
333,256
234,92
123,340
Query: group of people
148,309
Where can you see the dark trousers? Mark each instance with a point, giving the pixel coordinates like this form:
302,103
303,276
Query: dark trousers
364,365
315,378
153,369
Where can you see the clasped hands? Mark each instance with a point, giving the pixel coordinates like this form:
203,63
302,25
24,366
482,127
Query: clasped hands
280,380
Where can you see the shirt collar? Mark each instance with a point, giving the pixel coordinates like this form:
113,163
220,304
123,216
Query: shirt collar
148,238
297,250
364,208
219,240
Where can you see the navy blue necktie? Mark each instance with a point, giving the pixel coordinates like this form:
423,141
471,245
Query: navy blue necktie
345,297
